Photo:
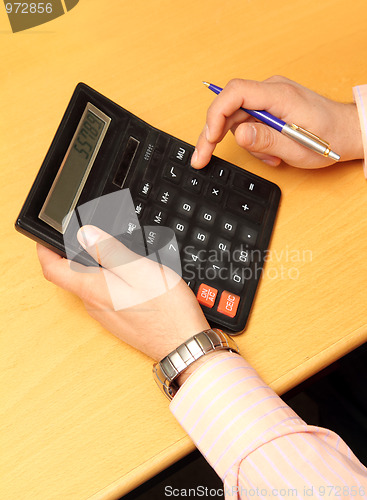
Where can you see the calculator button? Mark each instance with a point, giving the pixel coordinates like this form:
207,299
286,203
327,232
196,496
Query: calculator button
194,255
244,206
152,238
248,235
256,188
131,228
145,188
222,245
200,236
206,295
165,196
227,225
169,255
189,262
206,216
220,174
237,277
241,255
139,209
228,304
190,265
132,231
216,270
173,173
185,207
158,217
214,192
134,241
194,183
180,227
180,153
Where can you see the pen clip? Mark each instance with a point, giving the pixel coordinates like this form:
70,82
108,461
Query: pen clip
310,135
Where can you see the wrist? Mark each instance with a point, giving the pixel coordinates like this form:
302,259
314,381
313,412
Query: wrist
176,364
181,379
349,133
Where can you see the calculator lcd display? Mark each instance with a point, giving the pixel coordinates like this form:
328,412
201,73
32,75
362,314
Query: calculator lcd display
75,168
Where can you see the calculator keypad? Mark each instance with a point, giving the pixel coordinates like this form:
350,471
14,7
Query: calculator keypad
222,218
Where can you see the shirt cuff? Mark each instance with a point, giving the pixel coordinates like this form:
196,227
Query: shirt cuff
360,98
229,411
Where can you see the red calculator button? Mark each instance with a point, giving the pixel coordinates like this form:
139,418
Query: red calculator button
206,295
228,304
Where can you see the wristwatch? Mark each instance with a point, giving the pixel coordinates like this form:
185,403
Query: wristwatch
171,366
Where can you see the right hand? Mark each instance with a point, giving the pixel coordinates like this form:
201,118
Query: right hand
335,122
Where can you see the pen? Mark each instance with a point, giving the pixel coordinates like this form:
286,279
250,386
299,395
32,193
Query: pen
291,130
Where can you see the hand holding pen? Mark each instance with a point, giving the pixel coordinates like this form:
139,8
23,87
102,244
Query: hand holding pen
337,123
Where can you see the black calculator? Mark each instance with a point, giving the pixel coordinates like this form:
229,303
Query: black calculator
221,216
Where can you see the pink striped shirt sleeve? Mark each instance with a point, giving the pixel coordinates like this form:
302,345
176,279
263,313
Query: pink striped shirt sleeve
256,443
360,98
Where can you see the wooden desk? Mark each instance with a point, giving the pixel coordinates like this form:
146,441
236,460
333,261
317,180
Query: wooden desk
81,416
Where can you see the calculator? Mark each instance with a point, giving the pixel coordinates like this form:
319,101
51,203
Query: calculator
222,216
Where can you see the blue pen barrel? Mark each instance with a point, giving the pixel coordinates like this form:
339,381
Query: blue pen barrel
267,118
213,88
263,116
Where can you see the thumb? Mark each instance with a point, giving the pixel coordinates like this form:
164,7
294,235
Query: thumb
136,270
107,251
261,139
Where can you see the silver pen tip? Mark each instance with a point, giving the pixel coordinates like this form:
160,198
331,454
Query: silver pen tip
206,83
334,156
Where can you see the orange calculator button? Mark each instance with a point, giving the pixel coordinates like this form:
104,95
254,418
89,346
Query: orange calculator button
228,304
206,295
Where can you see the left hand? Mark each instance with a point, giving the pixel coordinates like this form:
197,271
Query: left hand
154,319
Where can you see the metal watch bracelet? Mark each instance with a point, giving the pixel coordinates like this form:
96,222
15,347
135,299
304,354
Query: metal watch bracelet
171,366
